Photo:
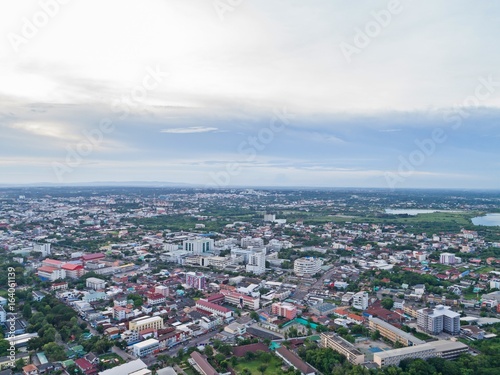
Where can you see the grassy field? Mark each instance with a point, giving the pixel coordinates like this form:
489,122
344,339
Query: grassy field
273,367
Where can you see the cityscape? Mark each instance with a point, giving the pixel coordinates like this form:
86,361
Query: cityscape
235,281
236,187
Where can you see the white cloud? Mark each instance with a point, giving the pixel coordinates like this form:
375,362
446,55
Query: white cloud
192,129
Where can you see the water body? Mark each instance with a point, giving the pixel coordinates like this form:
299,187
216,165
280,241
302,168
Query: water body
412,212
489,220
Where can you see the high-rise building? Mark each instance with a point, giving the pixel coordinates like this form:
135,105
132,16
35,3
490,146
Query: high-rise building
307,266
196,280
435,321
447,258
360,301
257,262
284,309
198,246
43,248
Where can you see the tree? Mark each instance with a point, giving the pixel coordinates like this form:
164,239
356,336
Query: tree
262,368
255,316
27,312
54,352
209,351
4,347
387,303
20,364
375,335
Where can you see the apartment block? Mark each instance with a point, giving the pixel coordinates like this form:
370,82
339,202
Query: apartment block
439,319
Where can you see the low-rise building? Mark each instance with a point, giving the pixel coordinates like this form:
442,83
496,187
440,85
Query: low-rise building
392,333
95,283
145,348
342,346
442,348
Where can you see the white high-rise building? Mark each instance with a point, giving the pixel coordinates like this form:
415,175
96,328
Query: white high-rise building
257,262
360,301
270,217
198,246
437,320
308,266
447,258
43,248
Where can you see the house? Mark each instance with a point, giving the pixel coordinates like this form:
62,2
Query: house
294,360
86,367
30,370
38,296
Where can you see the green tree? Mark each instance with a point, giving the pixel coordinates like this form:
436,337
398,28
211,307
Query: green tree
209,351
387,303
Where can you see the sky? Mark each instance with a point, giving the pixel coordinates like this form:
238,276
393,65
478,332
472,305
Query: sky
390,94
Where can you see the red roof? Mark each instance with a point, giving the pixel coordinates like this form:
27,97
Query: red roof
47,269
72,267
213,306
88,257
83,364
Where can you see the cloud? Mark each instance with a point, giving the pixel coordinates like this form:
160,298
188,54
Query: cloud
192,129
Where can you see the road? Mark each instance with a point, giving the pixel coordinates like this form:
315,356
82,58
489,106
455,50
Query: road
150,359
122,353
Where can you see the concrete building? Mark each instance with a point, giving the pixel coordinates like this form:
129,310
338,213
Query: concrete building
137,367
73,271
145,348
3,315
306,267
200,363
241,300
213,308
162,289
95,283
46,273
393,334
322,309
360,301
342,346
447,258
196,280
140,324
198,246
442,348
285,309
43,248
257,262
439,319
295,361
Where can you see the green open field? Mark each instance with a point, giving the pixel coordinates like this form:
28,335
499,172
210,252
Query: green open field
273,367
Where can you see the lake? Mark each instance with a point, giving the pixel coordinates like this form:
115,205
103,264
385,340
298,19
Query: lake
412,212
489,220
